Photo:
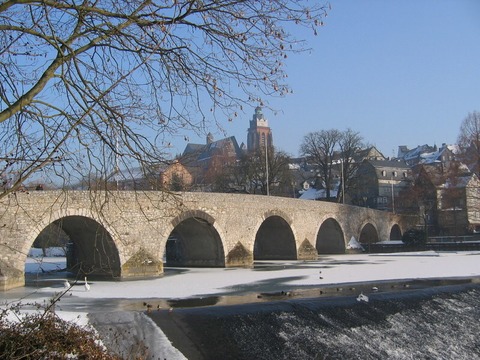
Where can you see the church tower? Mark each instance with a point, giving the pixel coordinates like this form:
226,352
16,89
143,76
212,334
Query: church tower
259,134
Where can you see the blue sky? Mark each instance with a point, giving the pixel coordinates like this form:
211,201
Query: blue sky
399,72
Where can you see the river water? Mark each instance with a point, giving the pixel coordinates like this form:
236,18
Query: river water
430,323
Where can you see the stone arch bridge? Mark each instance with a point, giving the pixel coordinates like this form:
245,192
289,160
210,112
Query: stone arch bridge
132,234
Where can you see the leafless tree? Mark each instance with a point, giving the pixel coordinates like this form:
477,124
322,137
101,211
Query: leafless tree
469,140
349,144
470,129
251,173
333,152
319,148
88,86
420,197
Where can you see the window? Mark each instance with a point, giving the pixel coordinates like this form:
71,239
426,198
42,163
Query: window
382,200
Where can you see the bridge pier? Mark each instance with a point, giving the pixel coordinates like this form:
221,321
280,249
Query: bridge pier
11,278
239,256
307,251
141,265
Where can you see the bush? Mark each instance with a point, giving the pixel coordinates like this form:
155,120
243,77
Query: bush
43,335
414,237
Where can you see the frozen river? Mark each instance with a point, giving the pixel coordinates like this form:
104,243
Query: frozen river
234,284
298,290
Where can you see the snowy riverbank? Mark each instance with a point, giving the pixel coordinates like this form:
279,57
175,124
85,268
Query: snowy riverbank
267,281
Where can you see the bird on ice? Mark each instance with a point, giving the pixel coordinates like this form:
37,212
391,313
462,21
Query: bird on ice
87,285
66,284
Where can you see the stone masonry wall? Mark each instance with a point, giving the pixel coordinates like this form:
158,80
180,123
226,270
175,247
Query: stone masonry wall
140,223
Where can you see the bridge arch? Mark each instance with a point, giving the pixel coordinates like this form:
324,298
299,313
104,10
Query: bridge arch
274,238
194,241
330,238
395,232
368,234
91,250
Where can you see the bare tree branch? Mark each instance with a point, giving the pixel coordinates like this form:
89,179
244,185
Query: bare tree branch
106,81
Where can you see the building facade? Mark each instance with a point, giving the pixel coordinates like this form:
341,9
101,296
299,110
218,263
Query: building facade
458,204
379,183
207,162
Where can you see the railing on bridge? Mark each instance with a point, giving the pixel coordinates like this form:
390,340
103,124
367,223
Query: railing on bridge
453,239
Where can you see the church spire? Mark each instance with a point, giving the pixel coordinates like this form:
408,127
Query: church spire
259,133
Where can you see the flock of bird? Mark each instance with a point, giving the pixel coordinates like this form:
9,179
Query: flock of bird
67,285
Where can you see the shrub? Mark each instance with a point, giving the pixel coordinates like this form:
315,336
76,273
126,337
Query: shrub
44,335
414,237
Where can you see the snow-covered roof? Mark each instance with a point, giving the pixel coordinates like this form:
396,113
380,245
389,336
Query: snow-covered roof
314,194
430,158
436,156
426,154
415,153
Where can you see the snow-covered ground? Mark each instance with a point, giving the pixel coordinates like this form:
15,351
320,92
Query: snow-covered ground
265,276
328,270
53,261
49,252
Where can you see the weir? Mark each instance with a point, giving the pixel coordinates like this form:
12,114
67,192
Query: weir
431,323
